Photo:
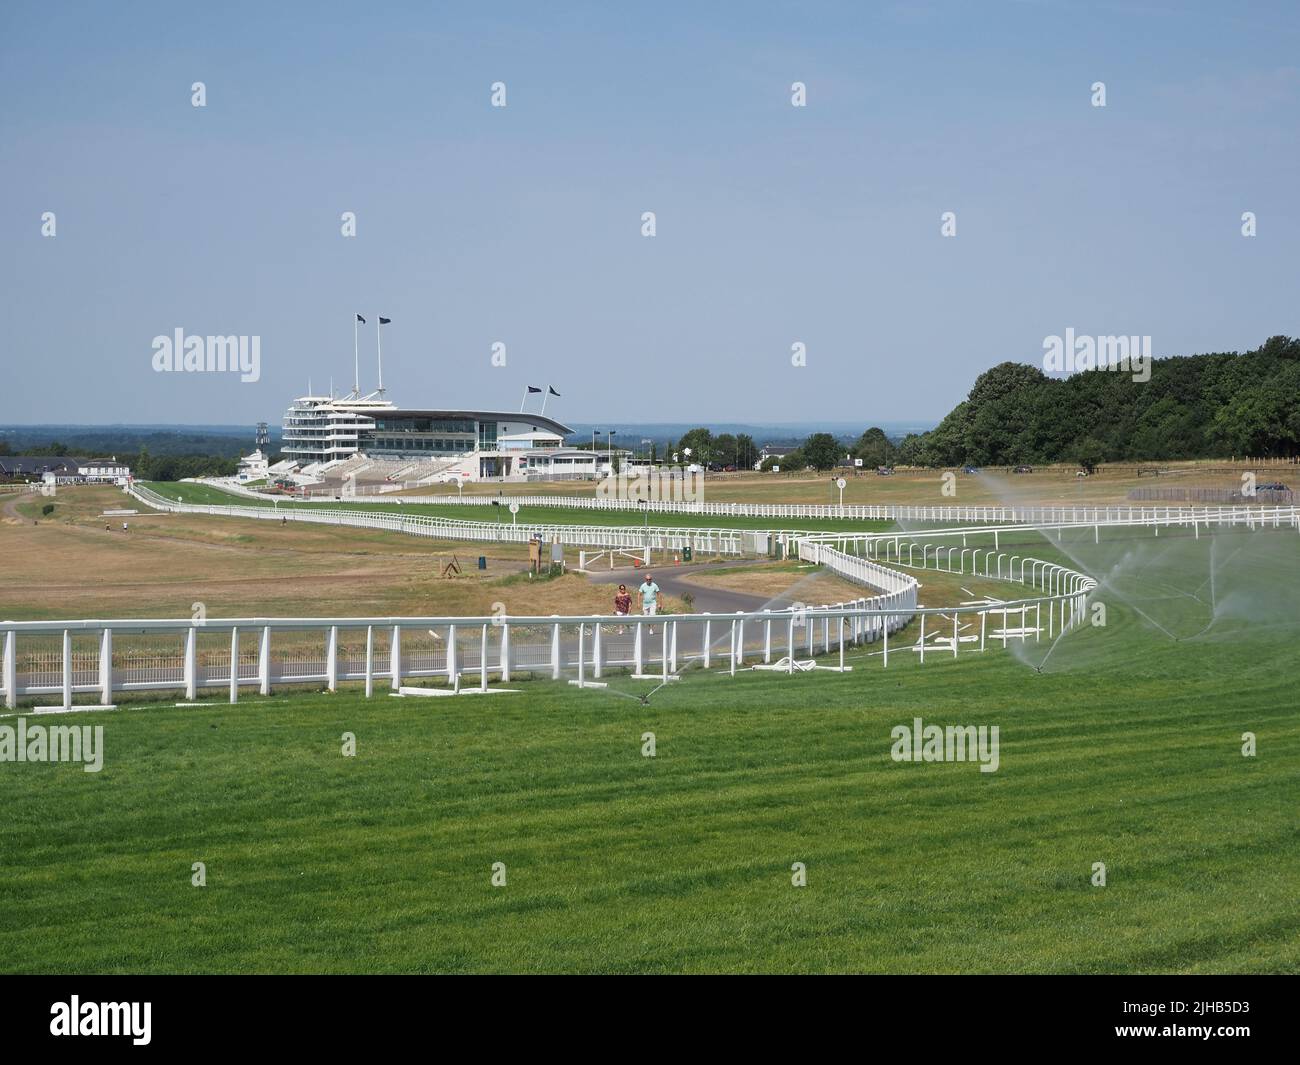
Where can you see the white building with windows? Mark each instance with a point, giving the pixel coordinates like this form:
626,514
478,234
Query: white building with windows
469,445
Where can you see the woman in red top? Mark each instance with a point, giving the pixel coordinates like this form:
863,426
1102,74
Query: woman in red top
622,604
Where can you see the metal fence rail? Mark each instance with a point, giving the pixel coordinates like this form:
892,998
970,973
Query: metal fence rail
1030,515
481,648
720,541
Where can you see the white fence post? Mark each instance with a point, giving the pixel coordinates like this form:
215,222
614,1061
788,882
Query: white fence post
395,657
332,659
191,664
790,643
67,668
234,663
452,664
370,661
106,667
11,670
264,662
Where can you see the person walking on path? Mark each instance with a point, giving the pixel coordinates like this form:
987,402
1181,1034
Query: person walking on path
622,604
649,598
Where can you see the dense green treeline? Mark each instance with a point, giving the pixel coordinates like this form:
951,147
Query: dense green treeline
1198,406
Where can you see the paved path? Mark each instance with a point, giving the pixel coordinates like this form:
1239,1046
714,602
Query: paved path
675,581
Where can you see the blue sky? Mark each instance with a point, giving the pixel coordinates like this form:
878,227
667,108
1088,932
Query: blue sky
521,224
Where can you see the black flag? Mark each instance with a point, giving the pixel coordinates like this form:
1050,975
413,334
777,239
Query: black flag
361,320
531,390
384,321
551,390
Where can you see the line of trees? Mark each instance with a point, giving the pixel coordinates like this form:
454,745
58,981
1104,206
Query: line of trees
725,449
147,467
1199,406
144,466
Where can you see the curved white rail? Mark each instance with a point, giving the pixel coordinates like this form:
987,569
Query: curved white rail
858,557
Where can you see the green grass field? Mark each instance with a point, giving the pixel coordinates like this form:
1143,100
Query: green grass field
1126,749
206,495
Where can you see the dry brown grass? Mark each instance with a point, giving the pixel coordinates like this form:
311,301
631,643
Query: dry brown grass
68,565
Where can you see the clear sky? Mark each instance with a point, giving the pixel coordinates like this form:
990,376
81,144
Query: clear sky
775,224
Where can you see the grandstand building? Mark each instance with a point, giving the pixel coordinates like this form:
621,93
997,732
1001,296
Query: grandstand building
322,434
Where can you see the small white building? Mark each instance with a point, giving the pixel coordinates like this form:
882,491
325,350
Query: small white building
103,471
253,467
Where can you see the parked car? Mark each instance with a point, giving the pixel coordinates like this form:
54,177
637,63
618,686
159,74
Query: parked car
884,471
971,469
1023,469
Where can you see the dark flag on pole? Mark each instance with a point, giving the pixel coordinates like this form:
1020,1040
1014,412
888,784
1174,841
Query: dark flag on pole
385,321
361,320
550,390
528,391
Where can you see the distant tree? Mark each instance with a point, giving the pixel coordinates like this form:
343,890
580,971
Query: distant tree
746,451
1090,454
700,441
874,448
1254,423
821,451
912,451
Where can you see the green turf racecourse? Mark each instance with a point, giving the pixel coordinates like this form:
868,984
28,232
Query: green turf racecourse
1125,749
206,495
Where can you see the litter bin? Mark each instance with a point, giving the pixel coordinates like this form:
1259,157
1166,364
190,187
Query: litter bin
482,562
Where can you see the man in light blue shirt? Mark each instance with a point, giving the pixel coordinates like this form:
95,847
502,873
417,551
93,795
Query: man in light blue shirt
649,598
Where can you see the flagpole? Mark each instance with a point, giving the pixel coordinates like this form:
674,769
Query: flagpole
545,396
379,345
356,358
524,400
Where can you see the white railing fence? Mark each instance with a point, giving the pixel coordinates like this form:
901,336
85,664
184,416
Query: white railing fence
1028,515
230,654
718,541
